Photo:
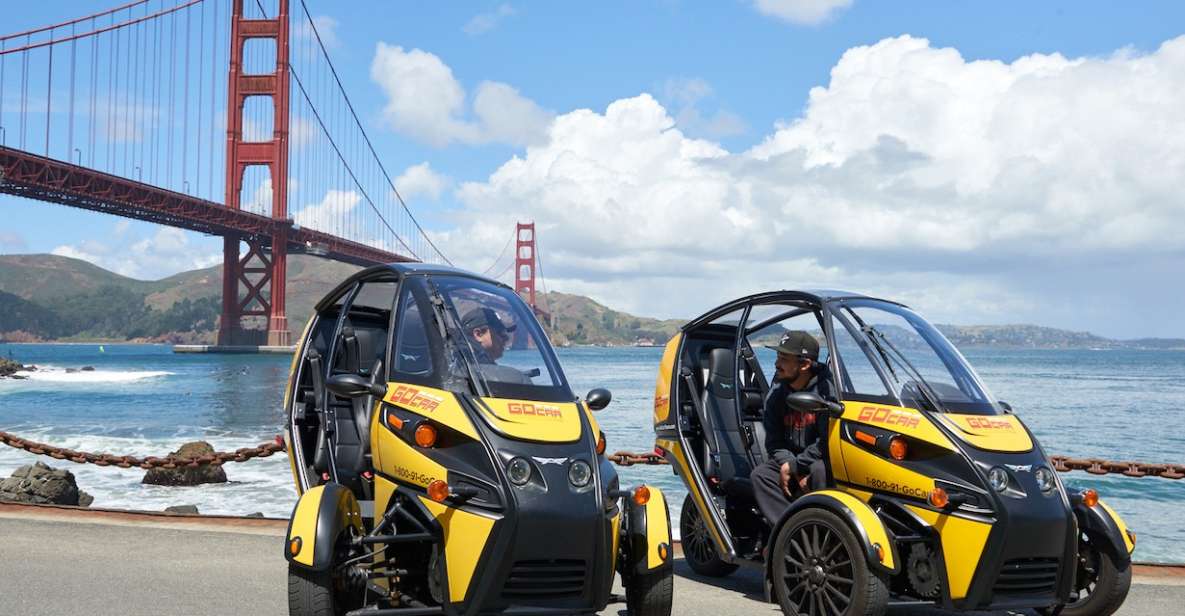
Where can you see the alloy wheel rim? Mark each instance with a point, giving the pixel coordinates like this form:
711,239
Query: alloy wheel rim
697,544
819,576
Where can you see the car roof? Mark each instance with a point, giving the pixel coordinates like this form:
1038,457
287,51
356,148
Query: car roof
817,296
401,270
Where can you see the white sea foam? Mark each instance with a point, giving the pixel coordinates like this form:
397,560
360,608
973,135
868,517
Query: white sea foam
55,374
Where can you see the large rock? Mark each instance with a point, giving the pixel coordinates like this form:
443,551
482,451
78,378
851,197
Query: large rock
40,484
184,475
9,367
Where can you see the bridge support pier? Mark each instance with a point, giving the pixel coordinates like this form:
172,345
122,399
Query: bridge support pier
277,322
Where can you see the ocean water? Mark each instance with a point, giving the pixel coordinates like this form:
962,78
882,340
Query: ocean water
146,400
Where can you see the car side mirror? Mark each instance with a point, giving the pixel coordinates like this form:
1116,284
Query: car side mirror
598,398
353,386
1004,405
811,402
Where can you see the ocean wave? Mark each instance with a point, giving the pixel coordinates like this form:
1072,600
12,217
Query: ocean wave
55,374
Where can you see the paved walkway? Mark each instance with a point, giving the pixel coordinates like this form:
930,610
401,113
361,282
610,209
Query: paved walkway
65,563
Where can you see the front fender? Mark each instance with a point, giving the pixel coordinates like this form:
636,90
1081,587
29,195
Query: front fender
1107,528
647,541
861,519
321,514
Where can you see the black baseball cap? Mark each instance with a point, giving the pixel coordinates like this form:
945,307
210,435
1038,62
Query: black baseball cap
484,317
797,343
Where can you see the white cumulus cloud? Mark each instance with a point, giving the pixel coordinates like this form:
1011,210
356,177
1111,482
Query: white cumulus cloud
977,189
167,251
421,180
426,102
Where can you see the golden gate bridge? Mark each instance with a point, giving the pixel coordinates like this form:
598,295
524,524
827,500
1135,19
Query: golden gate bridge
114,112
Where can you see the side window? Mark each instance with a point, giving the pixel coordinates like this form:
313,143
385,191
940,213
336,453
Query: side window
362,340
858,379
768,322
412,358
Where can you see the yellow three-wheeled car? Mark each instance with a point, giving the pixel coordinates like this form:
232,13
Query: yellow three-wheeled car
935,491
445,467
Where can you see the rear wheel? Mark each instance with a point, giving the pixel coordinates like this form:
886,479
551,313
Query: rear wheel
699,550
649,594
1102,586
819,569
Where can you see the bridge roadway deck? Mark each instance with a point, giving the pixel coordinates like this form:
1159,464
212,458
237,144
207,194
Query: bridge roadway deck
67,562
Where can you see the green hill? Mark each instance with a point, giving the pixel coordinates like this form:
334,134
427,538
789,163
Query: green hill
47,297
574,319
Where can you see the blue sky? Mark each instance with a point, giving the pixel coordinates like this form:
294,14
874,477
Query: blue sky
945,157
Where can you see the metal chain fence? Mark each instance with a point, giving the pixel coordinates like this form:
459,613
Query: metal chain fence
1094,466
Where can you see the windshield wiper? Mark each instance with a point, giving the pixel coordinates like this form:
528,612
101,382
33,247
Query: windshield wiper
923,386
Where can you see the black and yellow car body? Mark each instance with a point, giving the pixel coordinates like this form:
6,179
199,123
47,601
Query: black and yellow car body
910,511
434,480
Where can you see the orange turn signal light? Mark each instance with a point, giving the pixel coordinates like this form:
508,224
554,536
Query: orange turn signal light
663,551
425,435
438,490
641,495
294,546
865,437
601,444
898,448
879,551
1090,497
394,421
1132,536
939,498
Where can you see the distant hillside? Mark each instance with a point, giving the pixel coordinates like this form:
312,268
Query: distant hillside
574,319
1037,337
47,297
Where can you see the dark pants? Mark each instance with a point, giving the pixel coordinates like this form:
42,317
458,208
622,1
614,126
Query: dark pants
767,487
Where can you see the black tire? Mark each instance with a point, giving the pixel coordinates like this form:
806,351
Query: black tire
649,594
820,569
699,550
310,593
1102,586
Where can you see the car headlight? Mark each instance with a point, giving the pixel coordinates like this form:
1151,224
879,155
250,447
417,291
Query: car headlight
579,473
518,471
998,478
1045,479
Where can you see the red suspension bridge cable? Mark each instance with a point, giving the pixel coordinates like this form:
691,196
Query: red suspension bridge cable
369,145
499,257
72,22
113,27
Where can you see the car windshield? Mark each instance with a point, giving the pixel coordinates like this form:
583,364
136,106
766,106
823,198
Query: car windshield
501,340
922,367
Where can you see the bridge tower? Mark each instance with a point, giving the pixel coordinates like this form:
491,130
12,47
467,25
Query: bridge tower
524,262
254,285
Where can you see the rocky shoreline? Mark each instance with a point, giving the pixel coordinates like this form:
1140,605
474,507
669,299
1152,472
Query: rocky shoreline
9,369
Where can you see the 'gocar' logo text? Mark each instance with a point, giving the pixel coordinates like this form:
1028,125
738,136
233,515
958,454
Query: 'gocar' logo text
534,410
888,417
414,399
985,423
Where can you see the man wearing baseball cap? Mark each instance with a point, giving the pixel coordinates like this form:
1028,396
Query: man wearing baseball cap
792,438
487,333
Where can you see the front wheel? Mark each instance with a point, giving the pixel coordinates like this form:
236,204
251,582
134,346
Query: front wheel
1102,586
698,548
649,594
310,593
819,569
